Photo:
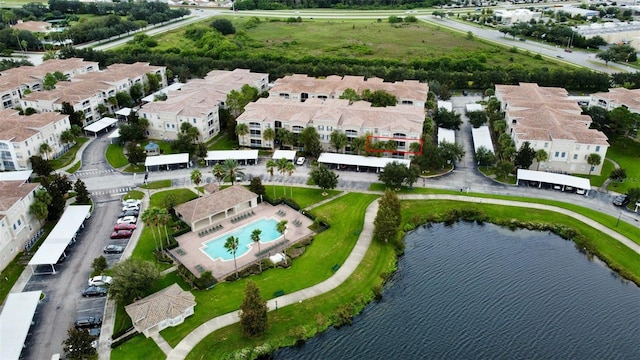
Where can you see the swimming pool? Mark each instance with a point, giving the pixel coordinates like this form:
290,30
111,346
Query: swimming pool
214,248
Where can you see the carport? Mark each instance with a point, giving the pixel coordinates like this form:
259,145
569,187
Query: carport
171,159
555,179
250,156
290,155
15,322
123,113
482,138
367,162
22,175
60,237
100,125
114,135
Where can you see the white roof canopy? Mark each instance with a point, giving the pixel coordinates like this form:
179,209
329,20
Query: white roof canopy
447,135
357,160
553,178
15,322
287,154
15,175
482,137
124,111
167,159
114,134
101,124
220,155
61,235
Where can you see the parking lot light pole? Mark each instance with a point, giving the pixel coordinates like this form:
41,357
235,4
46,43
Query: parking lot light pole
618,222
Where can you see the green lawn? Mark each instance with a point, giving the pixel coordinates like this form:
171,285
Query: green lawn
598,180
75,167
303,196
116,157
70,155
134,194
131,168
159,184
626,153
223,142
328,248
181,196
137,348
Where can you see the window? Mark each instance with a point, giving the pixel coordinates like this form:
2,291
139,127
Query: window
575,156
407,102
578,147
546,145
320,127
598,148
195,121
557,154
563,154
256,142
329,128
255,133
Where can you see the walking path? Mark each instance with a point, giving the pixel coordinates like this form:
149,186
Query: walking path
192,339
606,183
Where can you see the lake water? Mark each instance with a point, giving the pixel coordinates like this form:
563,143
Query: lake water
484,292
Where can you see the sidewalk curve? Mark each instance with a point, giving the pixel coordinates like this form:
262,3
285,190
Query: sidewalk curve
185,346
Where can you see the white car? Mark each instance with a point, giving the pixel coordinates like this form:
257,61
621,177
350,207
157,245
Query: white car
131,207
131,202
100,280
127,219
300,161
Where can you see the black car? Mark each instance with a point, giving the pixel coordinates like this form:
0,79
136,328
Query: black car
94,291
129,213
113,249
621,200
87,322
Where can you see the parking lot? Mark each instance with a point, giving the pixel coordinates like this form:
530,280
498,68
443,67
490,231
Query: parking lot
63,301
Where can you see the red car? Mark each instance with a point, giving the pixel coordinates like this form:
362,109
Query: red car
124,226
121,234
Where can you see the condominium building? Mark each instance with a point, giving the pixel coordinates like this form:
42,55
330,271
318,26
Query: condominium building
21,137
301,87
14,83
354,119
617,97
86,92
547,119
17,225
198,103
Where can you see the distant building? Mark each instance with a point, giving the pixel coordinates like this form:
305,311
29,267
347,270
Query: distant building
198,103
617,97
510,17
548,119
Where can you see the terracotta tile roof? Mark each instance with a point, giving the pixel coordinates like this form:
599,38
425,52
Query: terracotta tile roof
621,96
334,86
16,128
12,191
337,112
165,304
27,75
213,203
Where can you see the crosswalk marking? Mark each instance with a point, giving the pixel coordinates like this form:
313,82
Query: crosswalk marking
89,173
122,190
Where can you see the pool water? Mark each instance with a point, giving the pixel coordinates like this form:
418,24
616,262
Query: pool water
215,249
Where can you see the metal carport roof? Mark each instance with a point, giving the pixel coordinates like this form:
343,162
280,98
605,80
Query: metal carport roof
553,178
61,235
482,137
167,159
15,321
357,160
287,154
220,155
101,124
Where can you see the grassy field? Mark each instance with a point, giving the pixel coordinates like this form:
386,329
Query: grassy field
115,156
70,155
159,184
626,153
223,142
598,180
75,167
328,248
303,196
368,39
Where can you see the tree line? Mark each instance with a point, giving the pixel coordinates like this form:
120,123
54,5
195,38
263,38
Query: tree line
338,4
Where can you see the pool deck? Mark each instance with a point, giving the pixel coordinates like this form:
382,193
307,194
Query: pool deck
189,252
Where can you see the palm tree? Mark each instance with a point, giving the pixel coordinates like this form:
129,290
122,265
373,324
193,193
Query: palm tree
290,168
196,177
148,218
271,165
281,164
67,137
232,247
242,130
255,236
218,173
541,156
593,160
269,135
164,218
45,149
282,228
338,140
232,170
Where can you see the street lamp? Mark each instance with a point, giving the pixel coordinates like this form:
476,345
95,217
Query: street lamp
618,222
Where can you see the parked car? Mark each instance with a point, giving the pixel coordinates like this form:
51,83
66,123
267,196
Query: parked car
131,202
94,332
621,200
121,234
100,280
124,226
87,322
113,249
127,219
300,161
94,291
131,207
129,213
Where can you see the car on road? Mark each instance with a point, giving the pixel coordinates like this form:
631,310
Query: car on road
121,234
113,249
124,226
100,280
86,322
560,56
131,202
129,213
300,161
92,291
131,207
621,200
127,219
